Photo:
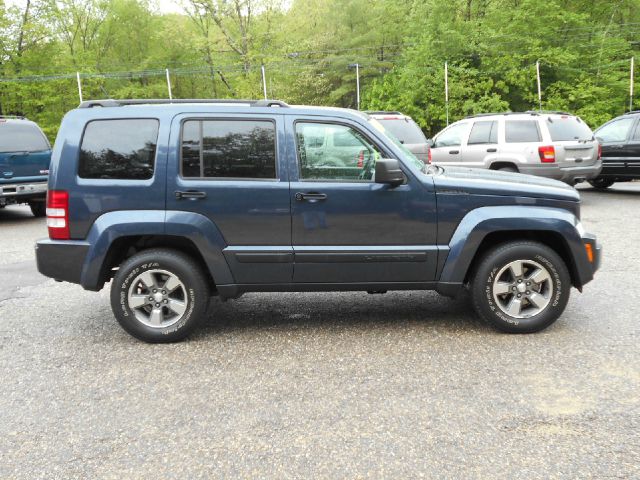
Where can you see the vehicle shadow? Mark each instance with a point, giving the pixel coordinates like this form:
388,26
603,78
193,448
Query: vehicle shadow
17,213
339,311
631,189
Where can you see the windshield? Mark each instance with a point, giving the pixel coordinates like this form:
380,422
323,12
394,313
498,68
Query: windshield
404,129
566,128
21,137
410,157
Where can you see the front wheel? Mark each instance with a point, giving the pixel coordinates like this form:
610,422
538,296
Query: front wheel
521,287
159,295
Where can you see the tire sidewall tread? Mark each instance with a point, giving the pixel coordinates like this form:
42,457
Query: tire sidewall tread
162,259
482,283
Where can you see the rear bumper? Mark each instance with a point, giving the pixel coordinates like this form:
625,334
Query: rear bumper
22,192
61,260
564,174
622,169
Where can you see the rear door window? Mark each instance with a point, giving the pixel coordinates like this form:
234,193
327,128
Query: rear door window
566,128
229,149
483,132
521,131
616,131
122,149
21,137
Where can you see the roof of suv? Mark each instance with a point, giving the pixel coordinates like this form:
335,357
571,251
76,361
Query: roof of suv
178,105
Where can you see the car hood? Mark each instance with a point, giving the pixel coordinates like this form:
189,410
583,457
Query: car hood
490,182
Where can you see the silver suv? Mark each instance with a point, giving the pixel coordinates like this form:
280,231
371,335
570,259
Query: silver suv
555,145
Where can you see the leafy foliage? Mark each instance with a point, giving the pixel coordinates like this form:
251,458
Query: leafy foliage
216,47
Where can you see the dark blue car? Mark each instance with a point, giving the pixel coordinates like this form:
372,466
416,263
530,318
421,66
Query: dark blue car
177,201
25,155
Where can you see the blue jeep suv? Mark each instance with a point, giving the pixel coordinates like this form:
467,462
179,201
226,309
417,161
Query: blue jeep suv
178,201
25,154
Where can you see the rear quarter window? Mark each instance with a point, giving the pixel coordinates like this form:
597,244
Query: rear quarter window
122,149
21,137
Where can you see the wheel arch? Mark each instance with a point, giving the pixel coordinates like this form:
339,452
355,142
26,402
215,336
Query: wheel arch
116,236
486,227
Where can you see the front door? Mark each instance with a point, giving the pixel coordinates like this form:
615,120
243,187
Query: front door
231,170
345,227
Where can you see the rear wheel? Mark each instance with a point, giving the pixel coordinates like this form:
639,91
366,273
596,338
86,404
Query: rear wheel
39,209
601,183
521,287
159,295
508,169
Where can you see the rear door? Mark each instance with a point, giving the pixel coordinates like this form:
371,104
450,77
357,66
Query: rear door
447,147
482,145
573,141
230,169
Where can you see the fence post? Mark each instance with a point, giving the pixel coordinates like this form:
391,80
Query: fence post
169,83
539,87
446,89
79,86
264,82
631,85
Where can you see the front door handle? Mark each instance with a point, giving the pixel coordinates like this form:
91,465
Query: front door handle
191,195
454,152
492,150
311,197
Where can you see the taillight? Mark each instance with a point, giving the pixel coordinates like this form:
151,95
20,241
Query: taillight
58,214
547,154
599,151
429,155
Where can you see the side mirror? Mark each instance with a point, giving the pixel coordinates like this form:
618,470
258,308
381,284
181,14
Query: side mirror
430,142
388,171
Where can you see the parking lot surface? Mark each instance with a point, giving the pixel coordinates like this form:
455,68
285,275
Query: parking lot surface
327,385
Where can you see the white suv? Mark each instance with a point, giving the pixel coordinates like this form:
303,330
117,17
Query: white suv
555,145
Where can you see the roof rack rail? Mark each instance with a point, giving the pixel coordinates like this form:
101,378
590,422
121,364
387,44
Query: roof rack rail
500,113
551,112
155,101
631,112
13,117
383,112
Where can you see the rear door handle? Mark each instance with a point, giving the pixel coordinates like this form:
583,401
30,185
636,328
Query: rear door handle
492,150
454,152
312,197
191,195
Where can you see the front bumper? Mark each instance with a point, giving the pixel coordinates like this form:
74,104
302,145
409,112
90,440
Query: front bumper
596,249
61,260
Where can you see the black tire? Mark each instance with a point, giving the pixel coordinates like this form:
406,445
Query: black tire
39,209
487,277
601,183
194,295
508,169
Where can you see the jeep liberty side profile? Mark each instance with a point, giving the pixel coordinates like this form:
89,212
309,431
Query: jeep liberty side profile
178,201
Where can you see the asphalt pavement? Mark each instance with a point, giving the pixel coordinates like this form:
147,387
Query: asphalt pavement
326,385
